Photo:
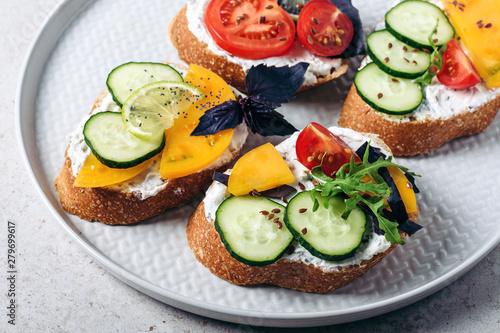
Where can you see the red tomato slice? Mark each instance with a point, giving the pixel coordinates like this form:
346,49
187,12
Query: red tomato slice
323,29
251,29
318,146
458,71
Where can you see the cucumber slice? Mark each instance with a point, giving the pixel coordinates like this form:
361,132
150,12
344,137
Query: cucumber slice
127,78
395,57
413,21
324,233
114,146
252,229
153,107
386,93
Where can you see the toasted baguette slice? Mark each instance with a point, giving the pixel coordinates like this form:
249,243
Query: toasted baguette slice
113,205
192,50
287,272
415,136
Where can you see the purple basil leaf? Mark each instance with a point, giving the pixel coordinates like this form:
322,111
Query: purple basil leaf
221,117
411,179
279,192
221,177
373,153
398,209
410,227
357,45
274,86
265,121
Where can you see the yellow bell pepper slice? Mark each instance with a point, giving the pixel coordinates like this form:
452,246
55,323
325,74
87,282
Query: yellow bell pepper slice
185,154
405,191
261,169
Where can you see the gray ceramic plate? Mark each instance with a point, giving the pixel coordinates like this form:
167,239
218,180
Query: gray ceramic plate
65,71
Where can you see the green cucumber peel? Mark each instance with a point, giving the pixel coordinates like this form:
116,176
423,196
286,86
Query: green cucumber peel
347,181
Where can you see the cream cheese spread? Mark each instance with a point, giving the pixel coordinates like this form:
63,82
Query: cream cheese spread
149,182
374,243
318,66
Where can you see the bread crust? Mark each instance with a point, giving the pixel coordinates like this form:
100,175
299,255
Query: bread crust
210,251
113,206
414,137
192,50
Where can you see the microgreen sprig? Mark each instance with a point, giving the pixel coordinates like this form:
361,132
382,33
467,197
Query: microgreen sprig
436,60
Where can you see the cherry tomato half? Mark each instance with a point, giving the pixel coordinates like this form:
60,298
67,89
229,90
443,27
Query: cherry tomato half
316,145
323,29
458,72
251,29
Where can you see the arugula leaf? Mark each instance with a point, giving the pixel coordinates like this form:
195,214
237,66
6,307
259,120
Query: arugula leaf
273,86
436,61
348,181
268,88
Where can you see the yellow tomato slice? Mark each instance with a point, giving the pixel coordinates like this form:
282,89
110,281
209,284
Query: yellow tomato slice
95,174
261,169
477,22
406,192
185,154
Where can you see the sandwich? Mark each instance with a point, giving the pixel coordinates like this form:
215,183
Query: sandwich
154,139
420,88
229,37
311,214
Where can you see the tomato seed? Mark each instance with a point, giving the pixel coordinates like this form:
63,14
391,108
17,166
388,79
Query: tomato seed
302,210
270,217
276,210
310,40
489,25
380,95
269,7
315,20
304,231
414,63
262,20
405,48
390,45
395,80
279,225
313,31
406,60
264,212
386,59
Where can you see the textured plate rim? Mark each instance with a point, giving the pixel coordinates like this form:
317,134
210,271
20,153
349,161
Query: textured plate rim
58,21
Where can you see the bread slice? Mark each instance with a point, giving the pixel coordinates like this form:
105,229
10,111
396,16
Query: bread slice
192,50
112,205
415,136
287,272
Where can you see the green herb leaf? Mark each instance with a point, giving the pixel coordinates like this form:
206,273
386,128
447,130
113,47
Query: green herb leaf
436,61
348,181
